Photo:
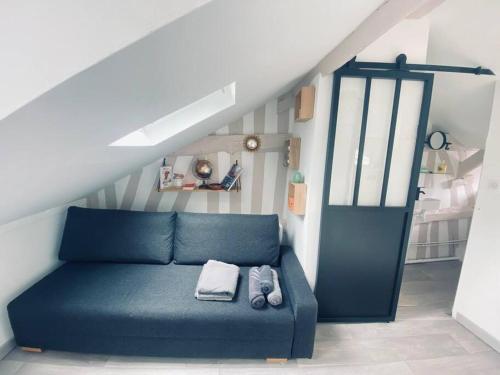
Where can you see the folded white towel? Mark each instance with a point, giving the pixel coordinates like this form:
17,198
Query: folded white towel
217,281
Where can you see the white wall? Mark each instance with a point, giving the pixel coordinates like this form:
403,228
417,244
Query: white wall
28,250
477,303
303,231
67,130
409,37
464,33
43,43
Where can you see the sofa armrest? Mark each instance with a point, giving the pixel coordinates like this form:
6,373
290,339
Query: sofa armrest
303,302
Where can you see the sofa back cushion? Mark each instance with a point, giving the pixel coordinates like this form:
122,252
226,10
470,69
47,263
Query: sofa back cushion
92,235
244,240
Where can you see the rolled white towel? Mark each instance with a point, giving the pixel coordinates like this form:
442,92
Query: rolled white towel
275,298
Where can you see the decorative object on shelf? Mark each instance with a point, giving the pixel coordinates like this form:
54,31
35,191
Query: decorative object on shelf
438,140
298,178
292,154
304,104
297,198
166,172
252,143
232,178
202,170
178,180
442,167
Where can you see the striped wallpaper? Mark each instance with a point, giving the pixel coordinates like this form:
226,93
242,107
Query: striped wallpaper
264,186
263,180
457,198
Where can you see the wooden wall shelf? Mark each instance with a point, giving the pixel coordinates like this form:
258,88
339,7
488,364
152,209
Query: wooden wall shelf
293,153
181,190
423,172
304,104
232,143
297,198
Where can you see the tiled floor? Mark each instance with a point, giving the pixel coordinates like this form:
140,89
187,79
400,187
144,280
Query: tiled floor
423,340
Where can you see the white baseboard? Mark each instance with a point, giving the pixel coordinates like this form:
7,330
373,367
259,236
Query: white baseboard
6,347
478,331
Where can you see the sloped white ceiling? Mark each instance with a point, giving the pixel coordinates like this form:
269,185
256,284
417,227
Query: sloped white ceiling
42,43
55,149
464,33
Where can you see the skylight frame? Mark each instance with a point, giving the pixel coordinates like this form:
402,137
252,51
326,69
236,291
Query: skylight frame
180,120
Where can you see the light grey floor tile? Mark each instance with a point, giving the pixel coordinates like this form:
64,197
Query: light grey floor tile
440,267
446,288
406,328
260,371
57,358
442,270
329,331
436,311
256,363
398,368
413,273
487,363
412,347
473,344
47,369
428,300
157,362
392,349
9,367
470,342
337,352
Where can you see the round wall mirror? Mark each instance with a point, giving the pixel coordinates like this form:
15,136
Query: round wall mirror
252,143
437,140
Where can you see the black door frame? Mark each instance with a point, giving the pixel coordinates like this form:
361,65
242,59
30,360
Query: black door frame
398,74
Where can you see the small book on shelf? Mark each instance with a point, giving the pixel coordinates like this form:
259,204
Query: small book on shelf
189,186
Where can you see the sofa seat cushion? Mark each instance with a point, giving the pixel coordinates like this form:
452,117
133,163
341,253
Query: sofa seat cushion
141,300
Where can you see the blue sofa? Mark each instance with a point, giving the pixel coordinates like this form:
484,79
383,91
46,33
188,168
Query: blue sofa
128,281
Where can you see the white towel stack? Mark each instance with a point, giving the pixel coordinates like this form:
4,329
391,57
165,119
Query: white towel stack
217,281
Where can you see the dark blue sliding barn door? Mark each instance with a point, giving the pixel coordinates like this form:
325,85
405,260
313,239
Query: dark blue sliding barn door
377,132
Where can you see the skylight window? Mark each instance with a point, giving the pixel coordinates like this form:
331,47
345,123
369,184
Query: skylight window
183,118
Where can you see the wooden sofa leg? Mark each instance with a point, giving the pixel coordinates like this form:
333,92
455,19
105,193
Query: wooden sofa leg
276,360
30,349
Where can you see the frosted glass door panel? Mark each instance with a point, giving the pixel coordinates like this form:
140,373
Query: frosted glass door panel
377,136
410,103
351,97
